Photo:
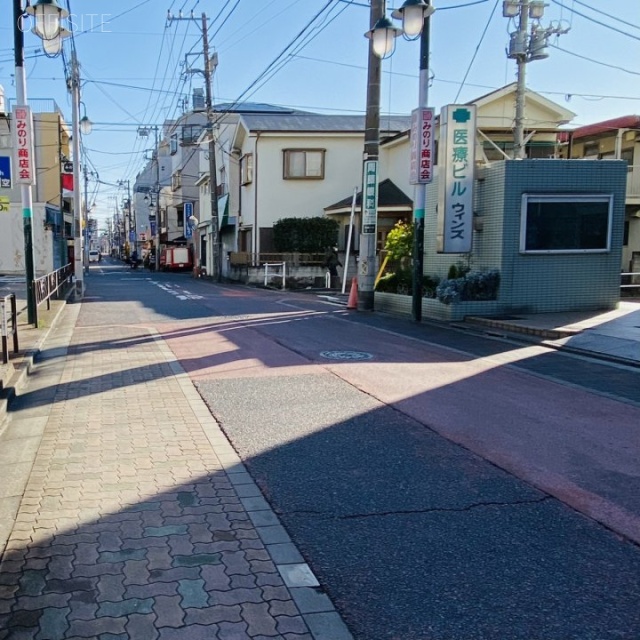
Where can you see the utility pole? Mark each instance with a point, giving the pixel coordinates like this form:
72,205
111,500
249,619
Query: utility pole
369,207
86,217
519,151
420,204
526,47
26,192
74,87
157,190
213,177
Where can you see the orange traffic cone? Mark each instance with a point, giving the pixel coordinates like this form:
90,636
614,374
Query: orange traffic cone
353,294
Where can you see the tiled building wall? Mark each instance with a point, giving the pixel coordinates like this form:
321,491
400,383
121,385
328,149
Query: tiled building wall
536,283
487,245
548,283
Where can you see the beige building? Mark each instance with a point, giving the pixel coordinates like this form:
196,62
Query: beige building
617,139
52,211
273,164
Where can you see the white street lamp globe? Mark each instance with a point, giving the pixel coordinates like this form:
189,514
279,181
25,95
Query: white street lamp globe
413,14
86,126
52,46
412,21
47,14
383,37
193,221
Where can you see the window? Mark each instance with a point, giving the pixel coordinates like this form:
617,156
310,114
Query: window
591,149
246,168
173,144
304,164
627,156
176,180
190,133
565,223
625,235
180,222
532,150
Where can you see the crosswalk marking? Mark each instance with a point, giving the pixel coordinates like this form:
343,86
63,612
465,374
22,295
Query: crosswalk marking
175,290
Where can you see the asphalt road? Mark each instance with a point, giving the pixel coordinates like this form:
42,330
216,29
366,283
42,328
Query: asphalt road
428,485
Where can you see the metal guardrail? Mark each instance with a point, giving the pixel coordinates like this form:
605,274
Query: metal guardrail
276,265
49,285
246,259
626,280
9,324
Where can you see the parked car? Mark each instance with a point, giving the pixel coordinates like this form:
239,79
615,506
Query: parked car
94,255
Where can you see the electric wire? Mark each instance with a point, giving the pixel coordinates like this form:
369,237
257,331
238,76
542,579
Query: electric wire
598,22
475,53
604,64
608,15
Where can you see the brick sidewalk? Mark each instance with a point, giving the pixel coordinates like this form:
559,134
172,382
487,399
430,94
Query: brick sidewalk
138,520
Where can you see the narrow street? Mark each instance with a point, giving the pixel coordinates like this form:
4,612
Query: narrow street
440,485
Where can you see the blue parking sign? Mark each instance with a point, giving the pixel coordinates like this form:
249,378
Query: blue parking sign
5,172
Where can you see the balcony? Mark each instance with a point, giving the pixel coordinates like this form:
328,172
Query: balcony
633,184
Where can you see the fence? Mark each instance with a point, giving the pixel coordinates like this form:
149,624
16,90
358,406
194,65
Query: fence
50,284
629,281
9,321
275,266
246,259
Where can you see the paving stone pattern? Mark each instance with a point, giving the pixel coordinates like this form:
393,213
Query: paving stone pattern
130,525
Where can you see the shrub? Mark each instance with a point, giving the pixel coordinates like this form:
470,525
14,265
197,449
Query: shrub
474,285
401,282
457,271
305,235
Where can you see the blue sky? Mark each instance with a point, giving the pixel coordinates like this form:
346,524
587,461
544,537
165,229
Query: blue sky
128,42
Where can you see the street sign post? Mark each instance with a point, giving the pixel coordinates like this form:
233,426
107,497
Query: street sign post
188,213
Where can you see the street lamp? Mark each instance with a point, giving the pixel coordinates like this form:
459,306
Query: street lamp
86,126
47,14
383,36
415,16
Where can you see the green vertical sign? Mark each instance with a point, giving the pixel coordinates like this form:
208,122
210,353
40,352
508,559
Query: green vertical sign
370,197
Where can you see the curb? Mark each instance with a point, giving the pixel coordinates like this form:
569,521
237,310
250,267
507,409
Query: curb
315,607
528,337
547,334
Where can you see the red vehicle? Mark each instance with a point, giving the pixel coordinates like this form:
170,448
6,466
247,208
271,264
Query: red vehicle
176,259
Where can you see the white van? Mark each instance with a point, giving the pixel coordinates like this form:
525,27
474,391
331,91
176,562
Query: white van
94,255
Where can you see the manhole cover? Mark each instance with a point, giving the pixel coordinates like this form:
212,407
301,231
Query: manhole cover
346,355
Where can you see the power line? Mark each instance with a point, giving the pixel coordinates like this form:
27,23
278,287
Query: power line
608,15
475,53
604,64
124,13
602,24
282,53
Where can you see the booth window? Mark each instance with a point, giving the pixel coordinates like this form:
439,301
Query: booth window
571,223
